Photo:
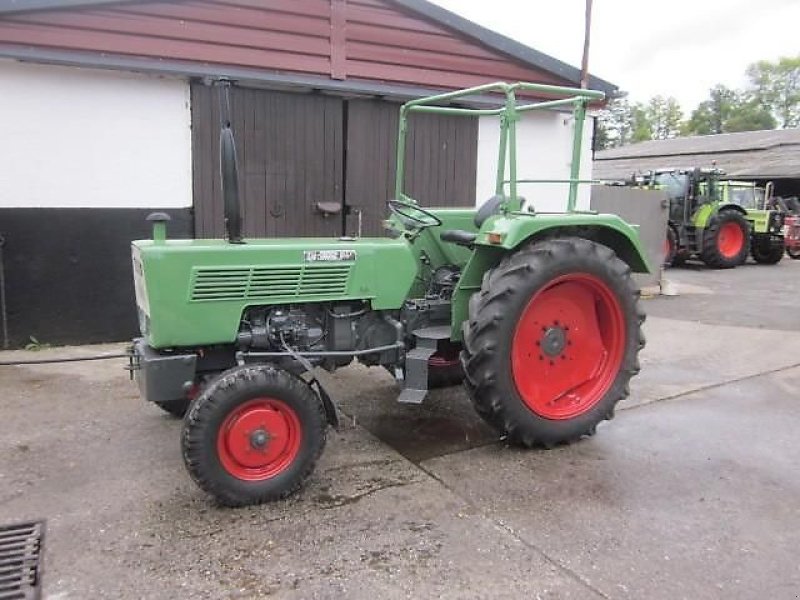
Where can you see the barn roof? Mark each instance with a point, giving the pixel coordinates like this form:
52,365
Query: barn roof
772,154
519,53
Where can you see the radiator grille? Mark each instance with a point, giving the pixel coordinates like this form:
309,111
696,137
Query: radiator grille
20,560
268,283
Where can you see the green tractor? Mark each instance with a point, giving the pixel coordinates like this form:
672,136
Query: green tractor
720,222
767,243
539,309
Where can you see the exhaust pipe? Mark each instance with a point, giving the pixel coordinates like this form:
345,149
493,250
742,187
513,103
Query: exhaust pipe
228,167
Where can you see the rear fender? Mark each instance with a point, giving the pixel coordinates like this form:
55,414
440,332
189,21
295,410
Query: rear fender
609,230
705,212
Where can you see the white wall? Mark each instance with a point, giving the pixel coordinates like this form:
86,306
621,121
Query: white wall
89,138
544,151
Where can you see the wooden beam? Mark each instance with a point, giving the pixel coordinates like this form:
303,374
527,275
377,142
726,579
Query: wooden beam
338,39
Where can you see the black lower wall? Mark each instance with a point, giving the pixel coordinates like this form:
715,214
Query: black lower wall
68,271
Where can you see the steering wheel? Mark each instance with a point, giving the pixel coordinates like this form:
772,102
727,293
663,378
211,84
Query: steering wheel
412,215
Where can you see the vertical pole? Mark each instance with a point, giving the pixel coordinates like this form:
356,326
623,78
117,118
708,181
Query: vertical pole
401,155
579,116
511,117
501,159
586,38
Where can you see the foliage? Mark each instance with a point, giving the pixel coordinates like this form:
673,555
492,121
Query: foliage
771,99
664,117
623,122
728,111
776,87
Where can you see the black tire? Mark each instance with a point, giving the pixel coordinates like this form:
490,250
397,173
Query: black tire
712,254
793,253
176,408
671,247
494,312
767,249
233,390
680,259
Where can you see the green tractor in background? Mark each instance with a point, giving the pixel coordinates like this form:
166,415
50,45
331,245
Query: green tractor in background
540,310
720,222
766,218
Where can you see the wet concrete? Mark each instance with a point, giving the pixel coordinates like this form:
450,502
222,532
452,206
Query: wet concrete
752,295
696,498
692,491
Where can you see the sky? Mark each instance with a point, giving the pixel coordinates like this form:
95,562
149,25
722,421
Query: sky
679,48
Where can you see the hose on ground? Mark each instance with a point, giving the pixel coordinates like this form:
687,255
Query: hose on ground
46,361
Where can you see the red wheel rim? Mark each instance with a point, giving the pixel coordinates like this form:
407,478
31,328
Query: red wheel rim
730,240
568,346
259,439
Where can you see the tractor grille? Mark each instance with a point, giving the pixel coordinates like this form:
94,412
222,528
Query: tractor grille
20,560
267,283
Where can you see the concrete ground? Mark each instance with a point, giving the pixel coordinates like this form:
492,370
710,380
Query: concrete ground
693,491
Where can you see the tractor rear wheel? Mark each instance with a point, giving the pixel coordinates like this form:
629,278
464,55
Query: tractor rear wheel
254,435
767,249
552,340
726,240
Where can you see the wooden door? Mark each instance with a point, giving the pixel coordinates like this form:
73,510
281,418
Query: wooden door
441,159
290,149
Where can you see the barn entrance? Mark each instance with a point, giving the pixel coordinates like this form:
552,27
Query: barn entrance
311,163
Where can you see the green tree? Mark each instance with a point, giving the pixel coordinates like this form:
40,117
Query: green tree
728,110
710,115
750,116
641,125
664,116
615,122
776,86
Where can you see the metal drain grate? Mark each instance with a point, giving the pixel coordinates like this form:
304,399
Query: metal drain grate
21,547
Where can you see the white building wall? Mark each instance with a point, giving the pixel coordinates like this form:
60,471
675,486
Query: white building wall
90,138
544,151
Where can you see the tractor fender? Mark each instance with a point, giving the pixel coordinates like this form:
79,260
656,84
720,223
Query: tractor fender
609,230
705,212
513,233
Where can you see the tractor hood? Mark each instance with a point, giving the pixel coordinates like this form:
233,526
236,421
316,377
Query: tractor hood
193,292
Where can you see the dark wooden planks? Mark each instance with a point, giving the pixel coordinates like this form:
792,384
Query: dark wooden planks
441,158
290,154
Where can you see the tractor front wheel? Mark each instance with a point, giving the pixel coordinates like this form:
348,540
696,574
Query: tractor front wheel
767,249
254,435
726,240
552,340
793,253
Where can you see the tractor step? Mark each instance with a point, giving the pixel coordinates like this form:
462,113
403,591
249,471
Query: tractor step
21,547
416,379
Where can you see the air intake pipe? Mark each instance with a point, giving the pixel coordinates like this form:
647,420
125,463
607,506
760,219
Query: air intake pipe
228,166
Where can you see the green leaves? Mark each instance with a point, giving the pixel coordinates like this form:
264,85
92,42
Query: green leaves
776,87
771,99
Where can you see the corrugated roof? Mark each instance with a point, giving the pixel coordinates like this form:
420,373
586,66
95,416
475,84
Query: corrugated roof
772,154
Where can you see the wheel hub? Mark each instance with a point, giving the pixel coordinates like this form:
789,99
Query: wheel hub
258,439
568,346
553,341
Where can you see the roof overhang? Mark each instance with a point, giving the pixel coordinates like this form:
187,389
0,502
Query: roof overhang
500,43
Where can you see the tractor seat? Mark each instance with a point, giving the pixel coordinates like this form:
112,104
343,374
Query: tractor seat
467,238
459,237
